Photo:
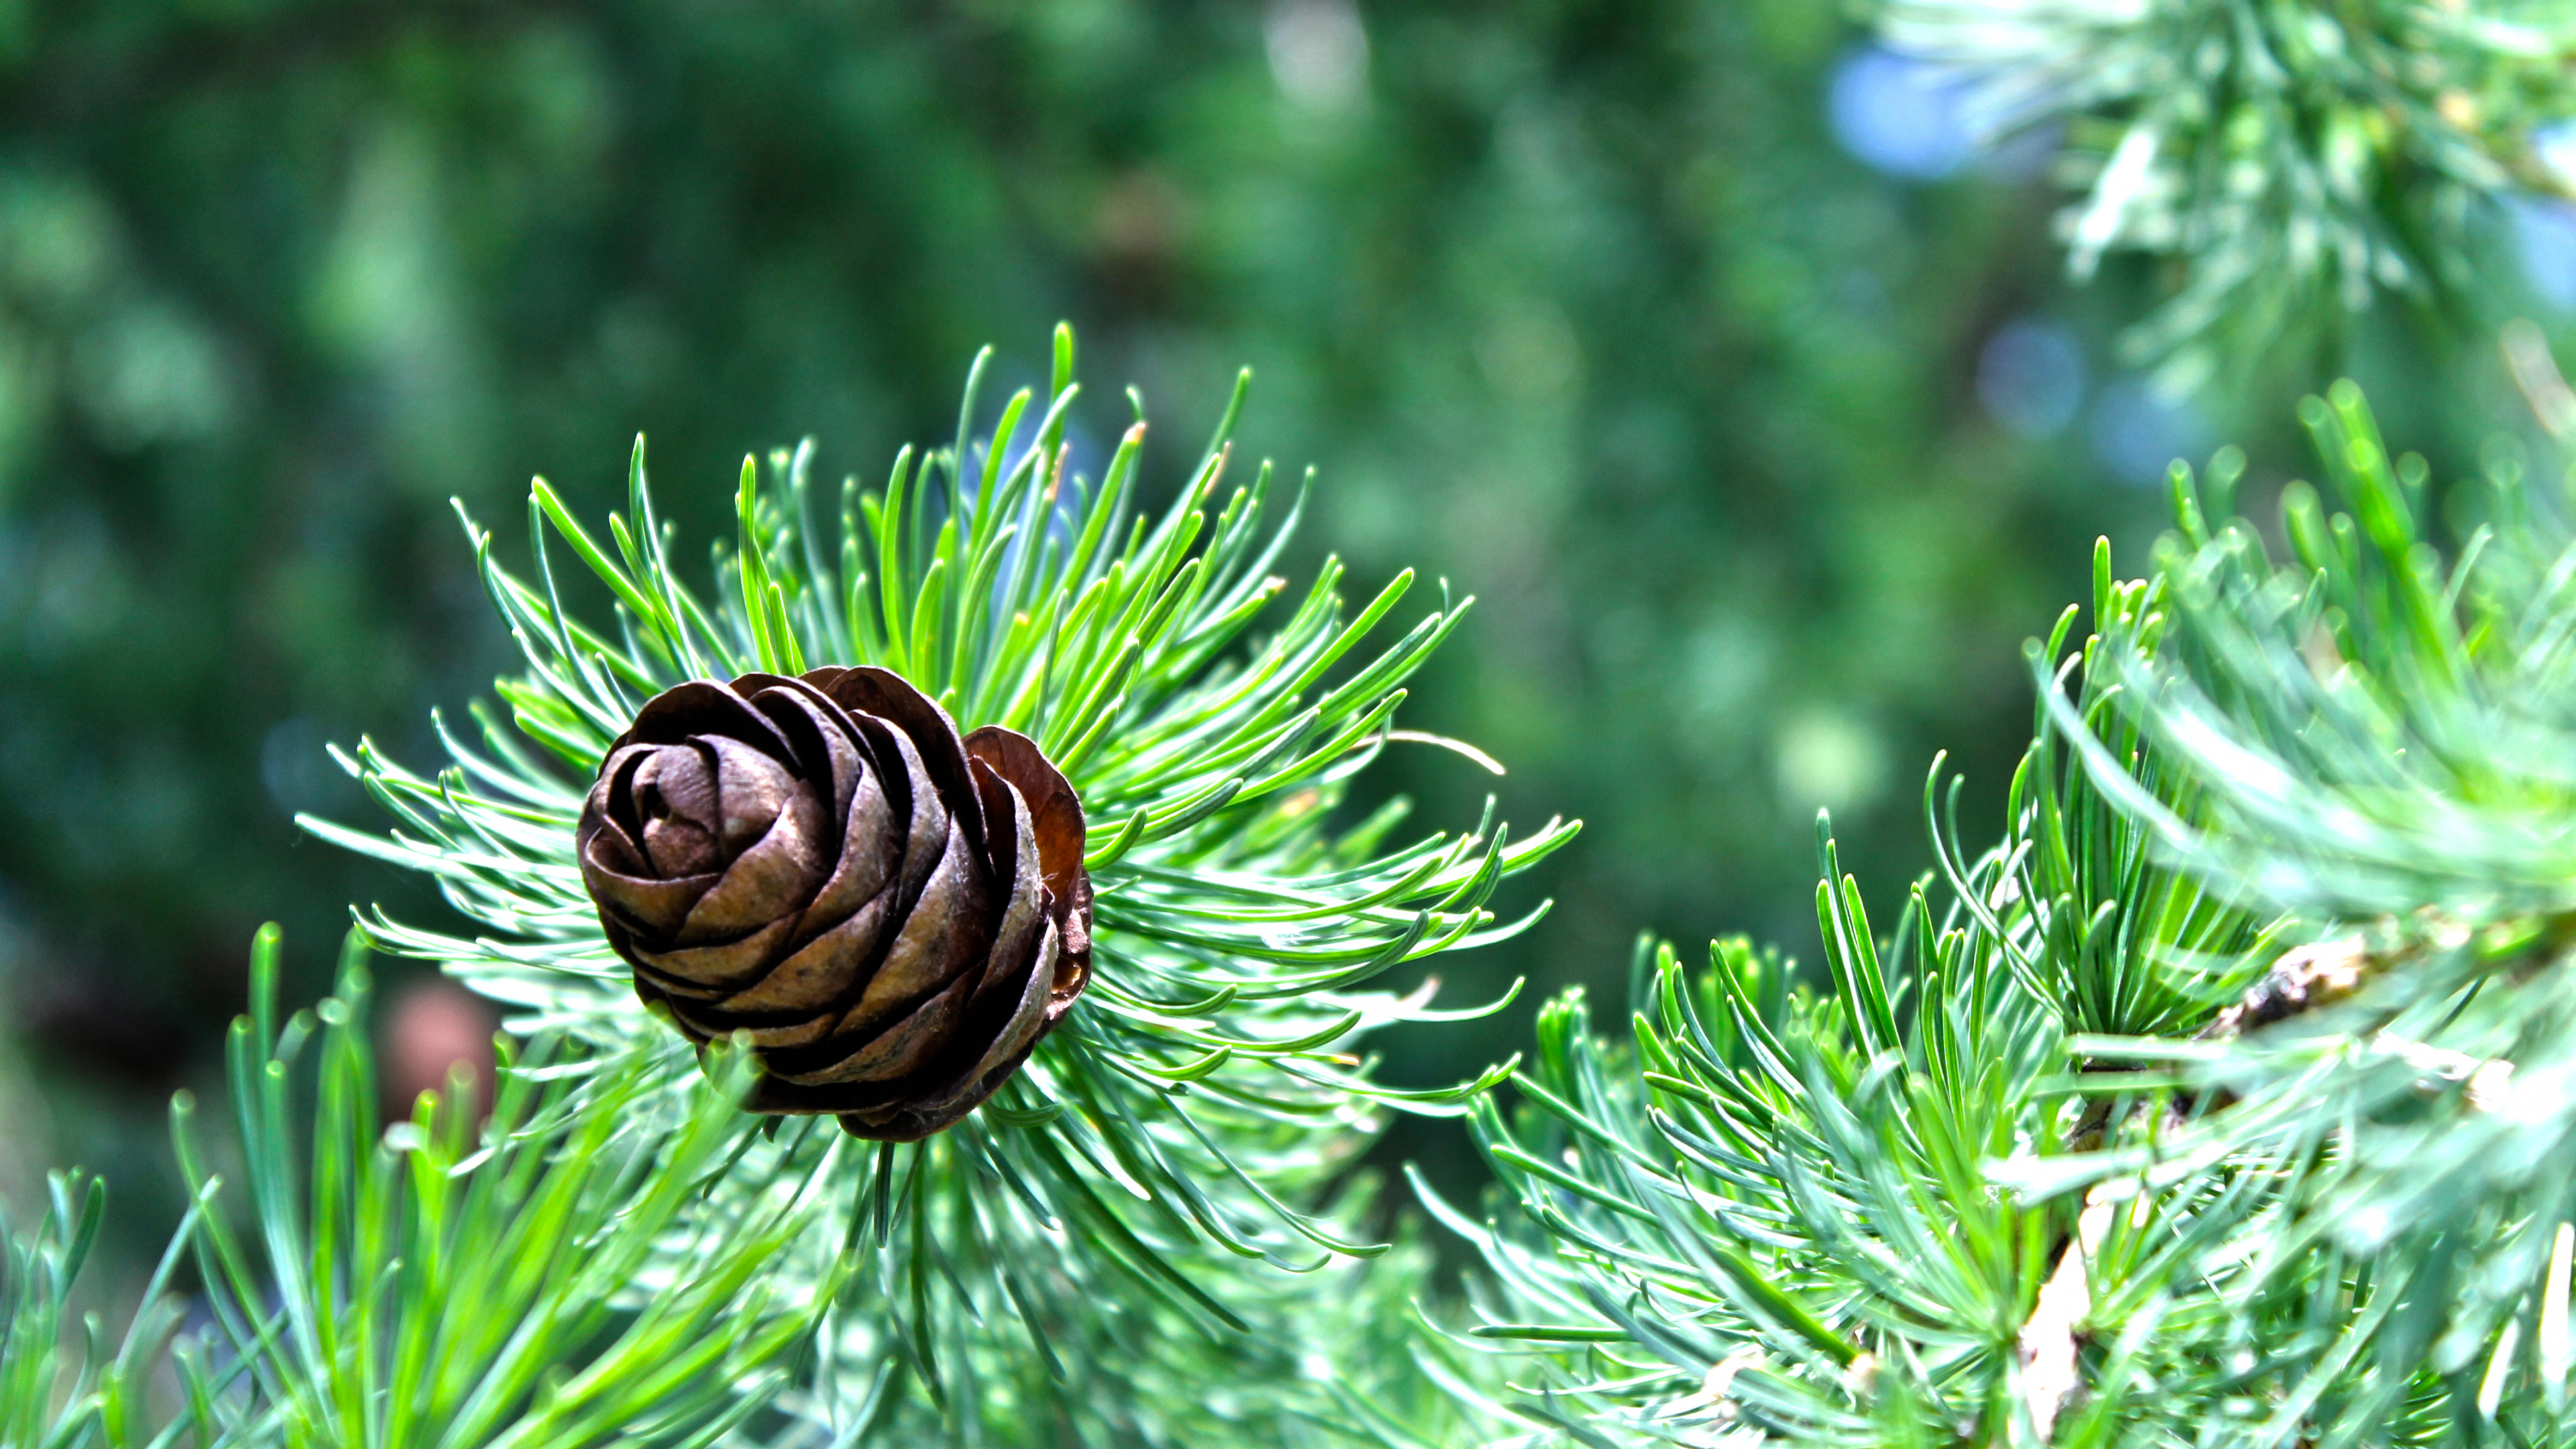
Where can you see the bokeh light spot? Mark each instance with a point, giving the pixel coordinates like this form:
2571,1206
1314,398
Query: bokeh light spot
1900,115
2030,376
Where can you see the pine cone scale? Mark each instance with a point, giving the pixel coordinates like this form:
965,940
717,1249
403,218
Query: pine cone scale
900,1047
897,1049
883,906
923,729
1021,914
869,859
926,834
781,865
1056,830
826,968
1030,1017
938,938
613,871
710,973
680,823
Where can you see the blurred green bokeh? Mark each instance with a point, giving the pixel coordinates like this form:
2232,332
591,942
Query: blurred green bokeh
1761,459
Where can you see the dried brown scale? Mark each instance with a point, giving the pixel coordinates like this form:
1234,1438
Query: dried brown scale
2304,978
894,914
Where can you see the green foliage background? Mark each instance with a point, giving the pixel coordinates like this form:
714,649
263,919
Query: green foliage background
1578,304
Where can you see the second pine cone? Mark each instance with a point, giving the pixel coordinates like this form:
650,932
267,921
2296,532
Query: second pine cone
896,915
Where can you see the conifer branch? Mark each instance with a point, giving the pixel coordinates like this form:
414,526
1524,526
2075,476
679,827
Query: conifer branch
2297,162
1190,1113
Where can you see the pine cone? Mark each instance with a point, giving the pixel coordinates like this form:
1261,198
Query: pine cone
894,914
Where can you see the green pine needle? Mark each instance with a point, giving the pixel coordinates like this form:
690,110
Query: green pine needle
66,1390
547,1278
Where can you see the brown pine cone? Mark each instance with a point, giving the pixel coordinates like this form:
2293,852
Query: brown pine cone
894,914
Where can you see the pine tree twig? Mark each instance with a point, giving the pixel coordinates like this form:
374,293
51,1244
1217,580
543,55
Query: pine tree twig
2302,978
2535,372
1714,1395
2050,1339
2484,1081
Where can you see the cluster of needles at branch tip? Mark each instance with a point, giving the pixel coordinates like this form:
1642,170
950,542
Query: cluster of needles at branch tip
1128,743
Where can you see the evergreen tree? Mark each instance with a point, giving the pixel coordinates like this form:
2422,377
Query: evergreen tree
2219,1101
